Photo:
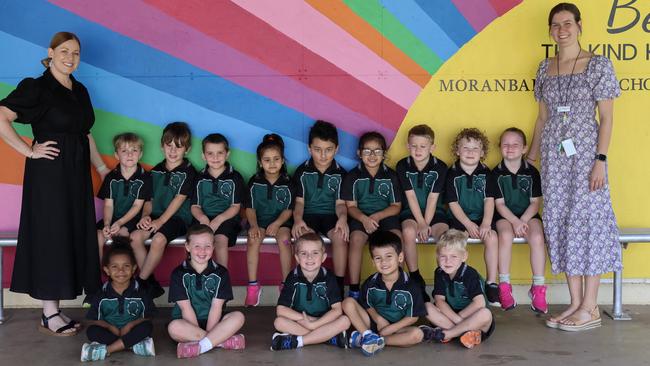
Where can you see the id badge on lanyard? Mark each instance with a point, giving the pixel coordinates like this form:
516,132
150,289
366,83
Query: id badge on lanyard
567,144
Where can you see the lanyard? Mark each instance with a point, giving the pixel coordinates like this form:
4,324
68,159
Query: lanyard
564,100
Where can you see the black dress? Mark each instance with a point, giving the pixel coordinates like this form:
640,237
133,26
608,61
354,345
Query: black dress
57,255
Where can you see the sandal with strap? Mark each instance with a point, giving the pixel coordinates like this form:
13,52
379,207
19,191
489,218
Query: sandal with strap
74,323
594,321
61,332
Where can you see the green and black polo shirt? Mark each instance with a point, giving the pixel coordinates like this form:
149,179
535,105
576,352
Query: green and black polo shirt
119,310
268,200
372,194
517,189
314,298
216,194
459,292
469,190
431,179
199,288
168,184
124,192
403,300
319,190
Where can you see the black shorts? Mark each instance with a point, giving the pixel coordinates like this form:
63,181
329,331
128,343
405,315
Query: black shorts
455,224
173,228
439,218
389,223
498,217
130,225
321,224
230,229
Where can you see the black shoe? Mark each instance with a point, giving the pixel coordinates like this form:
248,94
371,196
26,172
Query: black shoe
282,341
438,335
153,286
492,293
427,332
340,340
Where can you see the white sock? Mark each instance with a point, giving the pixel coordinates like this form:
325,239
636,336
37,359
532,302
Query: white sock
538,280
504,277
299,338
205,345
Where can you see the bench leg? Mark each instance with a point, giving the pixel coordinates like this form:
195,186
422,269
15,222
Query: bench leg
617,312
2,304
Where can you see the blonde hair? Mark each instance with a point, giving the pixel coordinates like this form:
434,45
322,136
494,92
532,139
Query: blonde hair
454,240
127,138
313,237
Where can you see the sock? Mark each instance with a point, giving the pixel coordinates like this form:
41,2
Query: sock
504,277
538,281
252,283
299,339
354,287
340,281
368,331
205,345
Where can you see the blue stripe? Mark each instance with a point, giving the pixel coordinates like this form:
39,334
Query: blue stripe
447,16
123,56
422,26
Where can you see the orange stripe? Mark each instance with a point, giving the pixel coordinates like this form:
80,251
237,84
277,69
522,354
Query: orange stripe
356,26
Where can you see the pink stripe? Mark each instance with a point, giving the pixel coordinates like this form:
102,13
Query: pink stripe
11,202
479,13
310,28
148,25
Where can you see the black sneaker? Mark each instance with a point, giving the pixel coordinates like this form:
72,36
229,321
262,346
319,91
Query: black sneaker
340,340
281,341
492,293
153,286
427,332
438,335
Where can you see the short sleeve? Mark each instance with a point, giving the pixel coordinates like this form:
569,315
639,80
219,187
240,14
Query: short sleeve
240,189
404,181
194,197
418,303
397,187
602,79
25,101
146,191
438,284
439,185
225,287
540,78
333,292
363,296
347,193
473,284
450,190
286,294
292,197
105,189
176,289
491,188
248,197
537,183
494,177
188,184
296,183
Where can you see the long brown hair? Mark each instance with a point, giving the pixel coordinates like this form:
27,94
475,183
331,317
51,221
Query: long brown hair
57,40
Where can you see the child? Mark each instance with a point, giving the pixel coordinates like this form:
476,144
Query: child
319,207
200,288
470,195
517,204
390,302
268,210
124,190
218,195
120,312
458,292
373,196
167,215
309,307
422,177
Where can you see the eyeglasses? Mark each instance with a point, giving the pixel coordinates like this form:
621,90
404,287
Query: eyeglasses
375,152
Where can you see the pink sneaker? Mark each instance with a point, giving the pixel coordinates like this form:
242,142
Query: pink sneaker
537,296
188,349
505,296
235,342
253,295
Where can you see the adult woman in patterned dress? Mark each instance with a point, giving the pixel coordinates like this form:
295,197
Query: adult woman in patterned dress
57,256
579,222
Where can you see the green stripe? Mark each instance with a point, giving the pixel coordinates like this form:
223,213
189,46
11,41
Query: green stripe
381,19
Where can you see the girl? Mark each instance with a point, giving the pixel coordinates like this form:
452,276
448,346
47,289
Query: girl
120,312
268,210
200,288
373,196
517,204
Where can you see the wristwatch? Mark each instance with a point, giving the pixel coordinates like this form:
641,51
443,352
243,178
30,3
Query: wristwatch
601,157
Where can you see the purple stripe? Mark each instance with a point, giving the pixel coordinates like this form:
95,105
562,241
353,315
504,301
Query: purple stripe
479,13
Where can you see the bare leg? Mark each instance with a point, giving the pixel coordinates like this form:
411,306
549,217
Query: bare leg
436,317
253,257
409,246
357,241
137,243
100,244
339,252
588,303
438,229
116,346
480,320
156,251
491,256
505,237
405,337
51,307
181,330
357,314
283,238
535,240
221,250
316,336
575,291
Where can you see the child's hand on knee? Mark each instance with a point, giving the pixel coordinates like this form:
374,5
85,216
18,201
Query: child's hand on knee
114,228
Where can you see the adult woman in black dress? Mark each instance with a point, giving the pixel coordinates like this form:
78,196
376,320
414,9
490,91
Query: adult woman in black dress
56,257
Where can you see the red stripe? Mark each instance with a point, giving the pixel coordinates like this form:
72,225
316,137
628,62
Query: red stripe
503,6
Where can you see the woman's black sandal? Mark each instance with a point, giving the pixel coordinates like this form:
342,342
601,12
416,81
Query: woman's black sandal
61,332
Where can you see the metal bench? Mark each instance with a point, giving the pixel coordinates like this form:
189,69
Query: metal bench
626,236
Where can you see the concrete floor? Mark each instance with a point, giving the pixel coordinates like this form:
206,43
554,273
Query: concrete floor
519,339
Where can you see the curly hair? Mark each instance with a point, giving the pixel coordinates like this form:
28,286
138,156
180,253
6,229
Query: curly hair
471,134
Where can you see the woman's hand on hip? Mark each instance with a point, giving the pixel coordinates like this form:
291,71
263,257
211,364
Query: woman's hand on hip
45,150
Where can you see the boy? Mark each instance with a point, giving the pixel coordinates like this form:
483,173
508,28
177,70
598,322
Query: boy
167,215
217,196
459,309
309,307
422,177
470,192
390,302
124,190
318,206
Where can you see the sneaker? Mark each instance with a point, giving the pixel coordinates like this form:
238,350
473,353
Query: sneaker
153,286
144,348
253,295
427,333
93,352
235,342
282,341
188,349
537,296
505,296
340,340
492,293
439,335
354,294
355,339
471,338
371,344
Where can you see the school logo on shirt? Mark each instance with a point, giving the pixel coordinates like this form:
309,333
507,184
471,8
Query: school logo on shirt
226,189
175,181
334,183
383,189
320,290
211,284
134,188
282,195
478,184
524,183
134,307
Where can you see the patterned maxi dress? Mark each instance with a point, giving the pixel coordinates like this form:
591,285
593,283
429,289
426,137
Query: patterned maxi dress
580,226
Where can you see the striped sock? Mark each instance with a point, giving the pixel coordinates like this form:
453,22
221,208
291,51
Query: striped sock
504,277
538,280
